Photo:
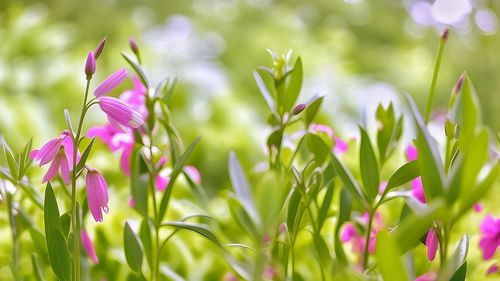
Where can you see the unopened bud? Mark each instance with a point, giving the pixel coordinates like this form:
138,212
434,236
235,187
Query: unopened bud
133,45
90,65
299,108
99,48
456,89
445,34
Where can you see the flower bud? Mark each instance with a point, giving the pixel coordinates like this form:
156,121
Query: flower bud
133,45
299,108
445,34
90,65
100,47
456,89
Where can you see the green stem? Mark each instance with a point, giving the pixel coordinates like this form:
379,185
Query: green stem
74,213
367,240
435,75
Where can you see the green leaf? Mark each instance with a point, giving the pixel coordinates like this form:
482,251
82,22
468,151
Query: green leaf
11,161
325,207
460,274
293,89
475,158
85,155
416,225
199,228
404,174
59,255
456,261
241,187
24,159
165,89
368,167
466,112
264,91
139,183
138,70
133,251
317,146
388,257
343,216
175,173
65,223
293,210
429,161
37,271
312,109
145,235
349,182
51,215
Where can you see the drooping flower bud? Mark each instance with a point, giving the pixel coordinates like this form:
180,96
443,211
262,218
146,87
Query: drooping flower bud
120,112
432,243
100,47
90,65
299,108
111,82
97,193
445,34
133,45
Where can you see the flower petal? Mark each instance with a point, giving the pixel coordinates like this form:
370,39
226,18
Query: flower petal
111,82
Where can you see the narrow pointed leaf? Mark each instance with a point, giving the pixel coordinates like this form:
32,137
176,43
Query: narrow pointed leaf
133,251
368,166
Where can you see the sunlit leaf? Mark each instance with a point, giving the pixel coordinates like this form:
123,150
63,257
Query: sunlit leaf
388,257
133,251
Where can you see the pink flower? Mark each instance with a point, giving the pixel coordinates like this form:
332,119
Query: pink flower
431,276
417,188
340,145
121,113
358,240
432,243
97,193
478,207
88,246
492,269
193,173
90,65
99,48
110,83
55,151
161,182
59,163
490,240
136,97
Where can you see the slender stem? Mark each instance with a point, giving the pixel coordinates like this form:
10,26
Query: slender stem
74,214
367,241
15,241
435,75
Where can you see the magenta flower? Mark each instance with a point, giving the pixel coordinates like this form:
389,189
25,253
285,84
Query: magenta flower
161,182
417,188
432,244
120,113
110,83
136,97
90,65
490,240
431,276
492,269
58,151
478,207
59,163
358,240
193,173
97,193
88,246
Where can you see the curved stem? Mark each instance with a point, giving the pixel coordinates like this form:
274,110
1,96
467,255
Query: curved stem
74,212
367,241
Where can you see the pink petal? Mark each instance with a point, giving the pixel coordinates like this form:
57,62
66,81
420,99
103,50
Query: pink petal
121,112
417,190
54,167
49,151
432,243
193,173
492,269
88,246
411,153
348,233
161,182
111,82
64,169
427,277
33,154
478,207
340,146
489,225
93,194
488,246
125,159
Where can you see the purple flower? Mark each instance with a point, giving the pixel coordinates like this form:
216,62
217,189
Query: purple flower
59,163
490,238
110,83
88,246
97,193
492,269
340,145
120,113
90,65
49,150
136,97
358,240
432,243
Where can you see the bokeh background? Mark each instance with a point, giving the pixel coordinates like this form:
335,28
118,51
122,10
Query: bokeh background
357,52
